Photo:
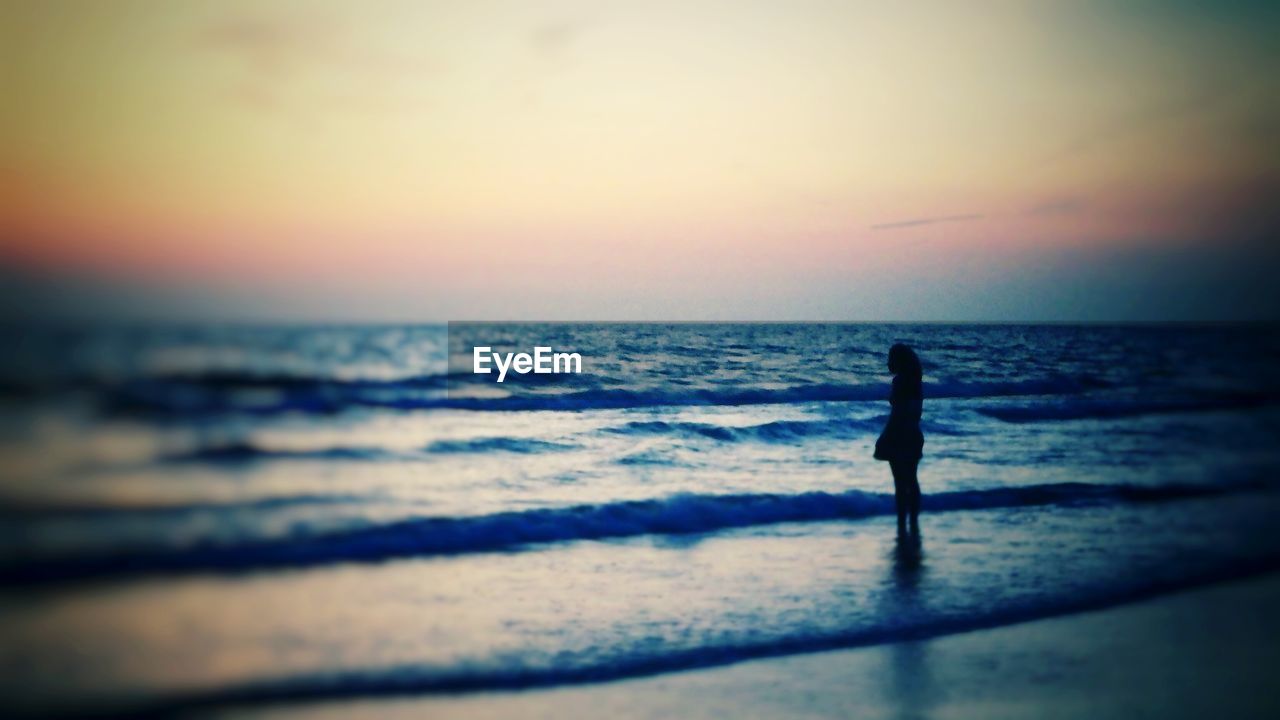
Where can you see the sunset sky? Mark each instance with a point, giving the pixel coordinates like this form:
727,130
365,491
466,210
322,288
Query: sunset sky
644,160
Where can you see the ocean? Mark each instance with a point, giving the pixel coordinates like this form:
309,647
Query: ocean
221,516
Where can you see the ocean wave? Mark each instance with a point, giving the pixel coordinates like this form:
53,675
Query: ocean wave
776,431
497,444
231,380
18,510
1103,409
248,451
506,531
262,397
649,458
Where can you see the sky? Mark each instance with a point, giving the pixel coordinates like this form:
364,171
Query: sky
429,161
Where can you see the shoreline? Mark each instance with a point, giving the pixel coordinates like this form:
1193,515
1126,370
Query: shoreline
1206,651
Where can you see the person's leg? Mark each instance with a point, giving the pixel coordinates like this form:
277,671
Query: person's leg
901,490
913,485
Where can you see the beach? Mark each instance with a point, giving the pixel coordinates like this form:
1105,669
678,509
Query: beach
682,359
1208,652
259,518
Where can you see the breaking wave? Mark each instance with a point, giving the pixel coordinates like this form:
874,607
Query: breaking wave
506,531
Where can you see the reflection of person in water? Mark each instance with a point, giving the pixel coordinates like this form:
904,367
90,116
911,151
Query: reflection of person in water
902,443
911,685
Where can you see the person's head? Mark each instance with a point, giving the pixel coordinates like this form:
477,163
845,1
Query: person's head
903,361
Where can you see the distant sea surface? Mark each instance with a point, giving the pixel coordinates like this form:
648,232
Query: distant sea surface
214,515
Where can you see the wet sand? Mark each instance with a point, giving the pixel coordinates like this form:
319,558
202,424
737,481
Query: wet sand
1205,653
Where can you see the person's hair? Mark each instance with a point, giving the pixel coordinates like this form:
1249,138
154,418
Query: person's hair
903,361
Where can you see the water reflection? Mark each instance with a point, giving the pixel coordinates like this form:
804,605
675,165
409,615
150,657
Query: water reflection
908,563
911,687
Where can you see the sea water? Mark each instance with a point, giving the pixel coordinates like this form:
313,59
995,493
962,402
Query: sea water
197,516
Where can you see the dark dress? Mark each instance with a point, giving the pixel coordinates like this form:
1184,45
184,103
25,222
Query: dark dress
902,441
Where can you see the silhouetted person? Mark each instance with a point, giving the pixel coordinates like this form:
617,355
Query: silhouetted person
902,443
